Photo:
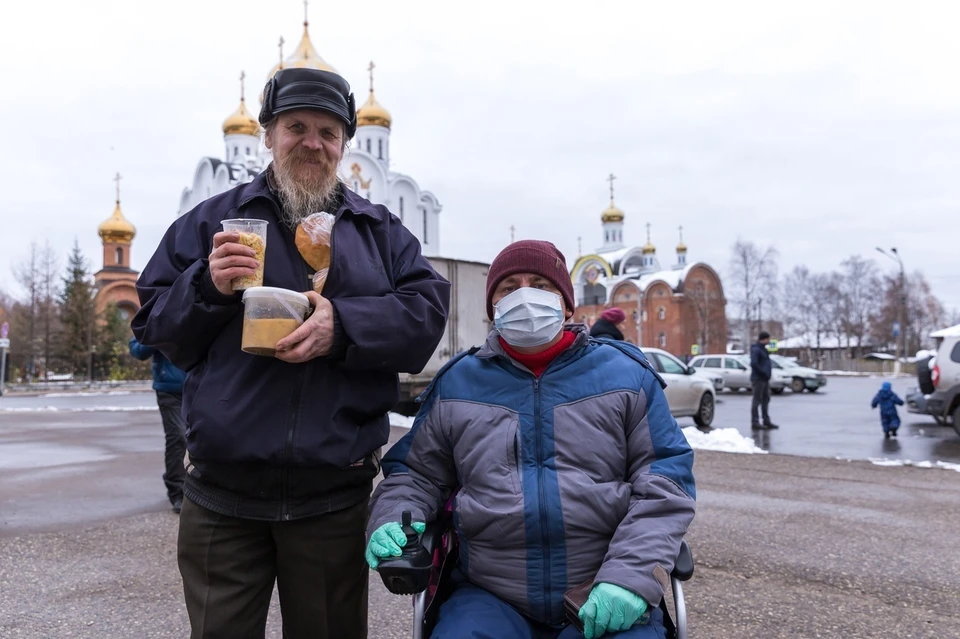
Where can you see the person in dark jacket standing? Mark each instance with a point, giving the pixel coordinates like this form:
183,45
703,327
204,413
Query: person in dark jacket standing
888,401
168,384
608,324
282,451
760,371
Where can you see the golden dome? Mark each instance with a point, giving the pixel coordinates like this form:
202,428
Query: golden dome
611,214
241,122
372,114
116,228
681,248
649,249
303,57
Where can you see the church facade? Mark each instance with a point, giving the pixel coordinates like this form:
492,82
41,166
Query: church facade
678,307
365,166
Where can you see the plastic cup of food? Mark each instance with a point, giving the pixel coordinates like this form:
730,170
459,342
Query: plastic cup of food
269,315
253,233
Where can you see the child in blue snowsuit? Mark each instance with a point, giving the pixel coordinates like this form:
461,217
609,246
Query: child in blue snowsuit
888,401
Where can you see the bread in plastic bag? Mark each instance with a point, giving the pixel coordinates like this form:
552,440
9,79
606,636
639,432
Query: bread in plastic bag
313,240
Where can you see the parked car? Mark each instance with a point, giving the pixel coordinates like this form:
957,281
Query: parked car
735,370
689,393
800,377
944,402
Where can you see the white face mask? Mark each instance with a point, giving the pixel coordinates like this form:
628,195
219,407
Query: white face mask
529,317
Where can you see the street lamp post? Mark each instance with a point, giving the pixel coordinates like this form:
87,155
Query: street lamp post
902,346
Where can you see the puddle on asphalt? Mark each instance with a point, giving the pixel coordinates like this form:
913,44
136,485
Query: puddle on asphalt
42,455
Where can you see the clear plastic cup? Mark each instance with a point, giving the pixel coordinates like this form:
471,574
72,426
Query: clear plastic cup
253,233
269,315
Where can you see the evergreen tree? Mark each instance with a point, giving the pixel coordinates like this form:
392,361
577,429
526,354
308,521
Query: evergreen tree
77,315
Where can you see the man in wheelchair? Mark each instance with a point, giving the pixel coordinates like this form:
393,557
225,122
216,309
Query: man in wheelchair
565,465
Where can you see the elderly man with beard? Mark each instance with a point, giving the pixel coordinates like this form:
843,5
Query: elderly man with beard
282,452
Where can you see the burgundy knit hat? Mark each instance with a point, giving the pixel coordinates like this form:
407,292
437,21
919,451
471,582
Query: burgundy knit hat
530,256
614,315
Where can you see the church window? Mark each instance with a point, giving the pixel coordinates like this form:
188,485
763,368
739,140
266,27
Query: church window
662,313
401,209
606,236
380,149
119,255
620,235
236,151
368,145
663,340
643,316
425,224
356,186
248,150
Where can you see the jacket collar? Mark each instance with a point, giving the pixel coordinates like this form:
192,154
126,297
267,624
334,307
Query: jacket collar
493,347
261,187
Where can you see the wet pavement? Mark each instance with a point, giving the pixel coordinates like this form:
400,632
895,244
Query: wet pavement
837,422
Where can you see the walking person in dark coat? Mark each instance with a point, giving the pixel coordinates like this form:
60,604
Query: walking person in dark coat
760,371
608,324
888,401
282,451
168,384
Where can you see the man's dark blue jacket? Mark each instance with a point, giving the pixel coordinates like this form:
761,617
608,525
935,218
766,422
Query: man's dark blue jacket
167,378
760,367
271,440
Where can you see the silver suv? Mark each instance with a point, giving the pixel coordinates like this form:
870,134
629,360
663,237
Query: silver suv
945,400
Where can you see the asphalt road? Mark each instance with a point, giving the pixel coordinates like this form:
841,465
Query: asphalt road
785,546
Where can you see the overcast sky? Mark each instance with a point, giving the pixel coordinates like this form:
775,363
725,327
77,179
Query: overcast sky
823,129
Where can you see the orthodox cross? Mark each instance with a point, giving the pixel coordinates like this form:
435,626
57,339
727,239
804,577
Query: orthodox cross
579,246
648,232
117,180
370,69
280,46
305,23
681,234
242,78
610,180
512,230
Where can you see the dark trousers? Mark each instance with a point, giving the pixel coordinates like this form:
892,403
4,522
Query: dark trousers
472,613
175,443
761,399
229,567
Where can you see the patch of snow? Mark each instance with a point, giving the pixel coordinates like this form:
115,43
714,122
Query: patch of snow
88,394
400,421
89,409
915,464
727,440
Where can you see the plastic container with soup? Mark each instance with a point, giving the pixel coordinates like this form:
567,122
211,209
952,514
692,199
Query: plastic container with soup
269,315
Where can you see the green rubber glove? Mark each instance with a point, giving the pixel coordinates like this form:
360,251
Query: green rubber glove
610,608
387,540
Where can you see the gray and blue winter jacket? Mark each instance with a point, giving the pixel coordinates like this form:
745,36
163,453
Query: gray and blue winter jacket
579,474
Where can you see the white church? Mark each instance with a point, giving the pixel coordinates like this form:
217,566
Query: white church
365,167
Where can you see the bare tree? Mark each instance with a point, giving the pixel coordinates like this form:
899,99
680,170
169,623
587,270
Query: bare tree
859,285
28,275
798,301
754,277
48,307
821,321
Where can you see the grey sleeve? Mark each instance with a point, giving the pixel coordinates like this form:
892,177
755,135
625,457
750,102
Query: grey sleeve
644,547
419,471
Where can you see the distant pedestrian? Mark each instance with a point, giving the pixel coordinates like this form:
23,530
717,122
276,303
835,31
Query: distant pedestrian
760,371
168,384
609,324
888,401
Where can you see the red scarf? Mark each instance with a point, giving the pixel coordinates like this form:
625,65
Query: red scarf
538,362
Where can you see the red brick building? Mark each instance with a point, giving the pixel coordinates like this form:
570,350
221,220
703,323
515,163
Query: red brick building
679,307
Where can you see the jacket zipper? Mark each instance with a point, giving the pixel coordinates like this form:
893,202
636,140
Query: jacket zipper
299,391
544,530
